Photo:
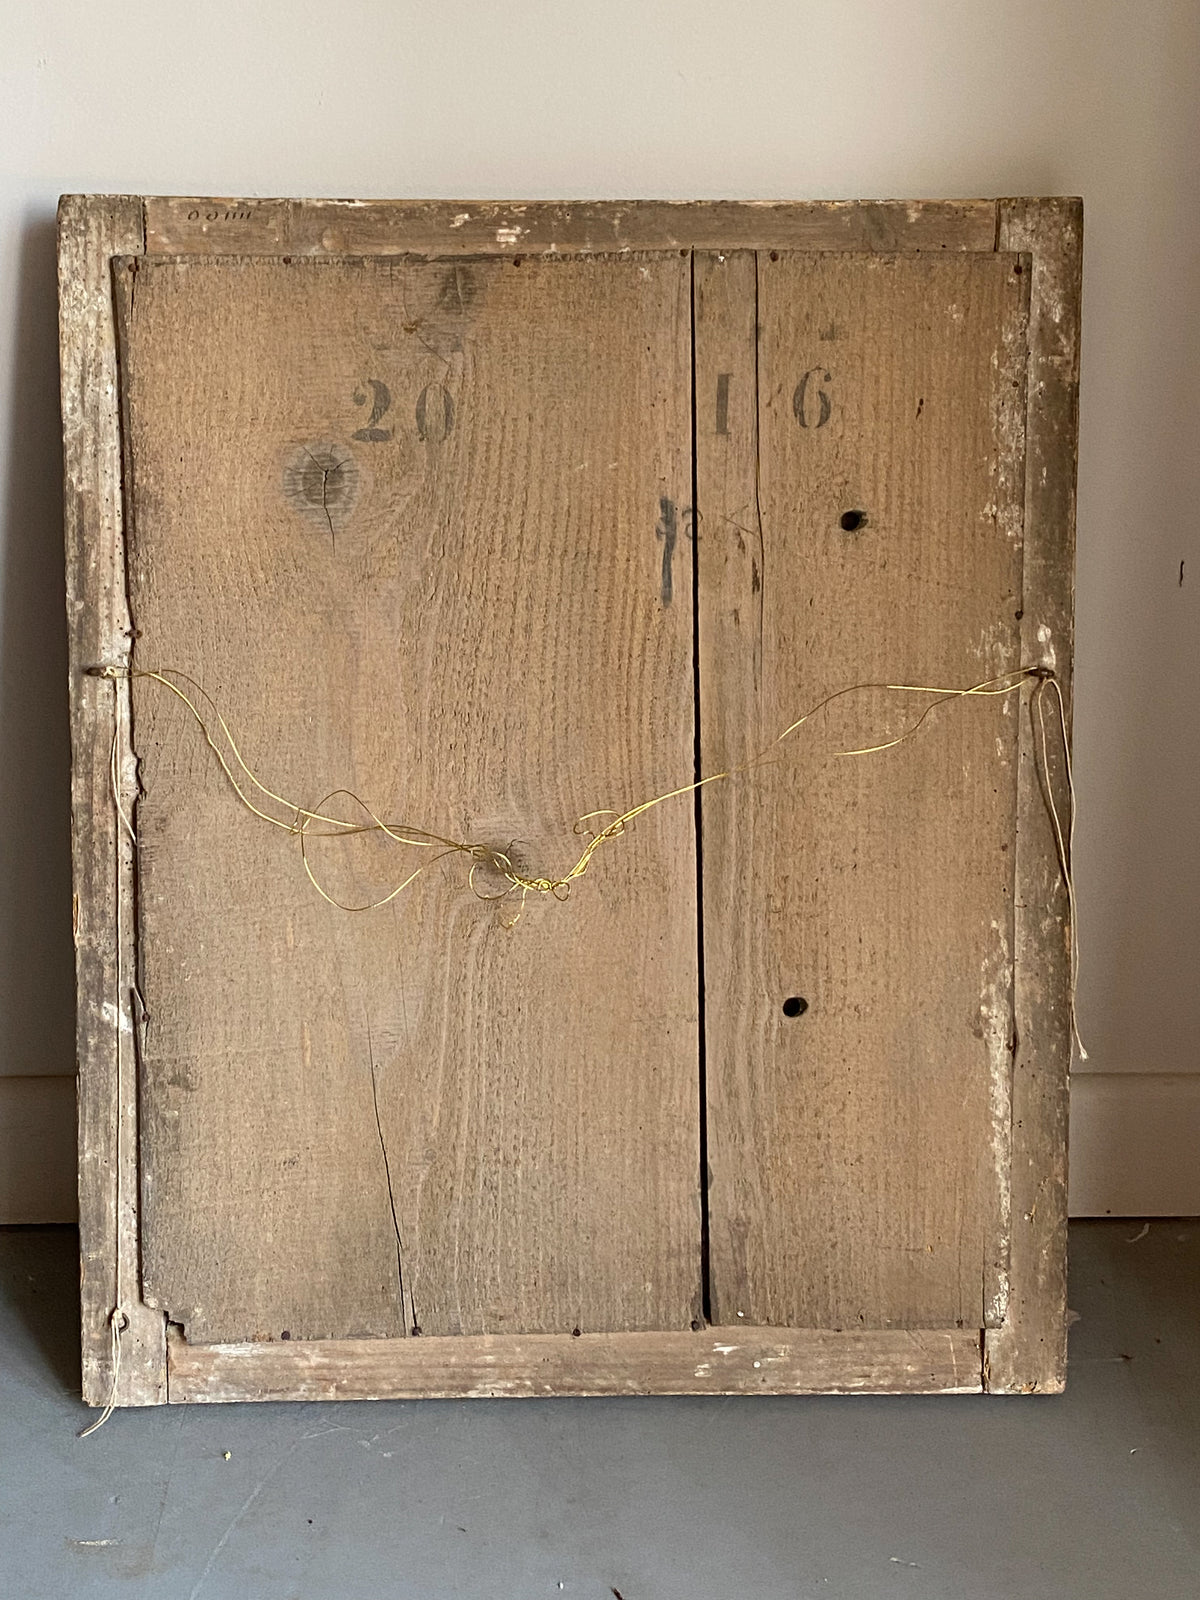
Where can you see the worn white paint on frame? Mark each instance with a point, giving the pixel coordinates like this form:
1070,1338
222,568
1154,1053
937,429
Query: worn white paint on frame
675,100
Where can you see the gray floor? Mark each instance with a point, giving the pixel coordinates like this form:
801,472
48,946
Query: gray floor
1095,1494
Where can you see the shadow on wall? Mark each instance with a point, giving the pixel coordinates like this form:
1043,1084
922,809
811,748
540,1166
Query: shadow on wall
37,981
39,1313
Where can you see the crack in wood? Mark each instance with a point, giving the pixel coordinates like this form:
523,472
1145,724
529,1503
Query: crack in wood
387,1173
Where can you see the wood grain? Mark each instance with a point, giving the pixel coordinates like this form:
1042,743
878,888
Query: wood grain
417,1117
736,1361
859,1150
456,1127
178,225
1028,1354
91,231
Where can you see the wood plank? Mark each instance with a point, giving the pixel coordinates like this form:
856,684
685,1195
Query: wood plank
179,225
91,231
1029,1352
859,1150
417,1117
742,1361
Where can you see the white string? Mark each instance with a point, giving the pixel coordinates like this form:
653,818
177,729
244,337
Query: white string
117,1323
1064,841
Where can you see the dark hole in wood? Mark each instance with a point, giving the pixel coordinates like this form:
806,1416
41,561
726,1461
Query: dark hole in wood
794,1006
852,521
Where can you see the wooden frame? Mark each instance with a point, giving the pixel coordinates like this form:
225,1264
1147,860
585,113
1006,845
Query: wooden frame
1027,1352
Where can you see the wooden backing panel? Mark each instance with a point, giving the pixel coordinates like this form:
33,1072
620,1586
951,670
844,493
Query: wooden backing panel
878,888
745,1361
1029,1352
1050,227
357,1124
177,225
91,230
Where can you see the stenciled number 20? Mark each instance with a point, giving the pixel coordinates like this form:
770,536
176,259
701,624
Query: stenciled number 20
433,413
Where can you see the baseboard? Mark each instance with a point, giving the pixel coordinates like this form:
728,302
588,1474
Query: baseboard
1135,1144
37,1150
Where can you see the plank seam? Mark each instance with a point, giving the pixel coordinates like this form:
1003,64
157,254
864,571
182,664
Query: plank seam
698,824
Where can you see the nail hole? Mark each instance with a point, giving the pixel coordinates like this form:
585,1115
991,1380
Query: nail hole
852,521
774,255
794,1006
286,1334
1018,269
575,1333
696,1325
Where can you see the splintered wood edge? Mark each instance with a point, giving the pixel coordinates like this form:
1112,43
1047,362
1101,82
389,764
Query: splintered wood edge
734,1360
93,229
1027,1353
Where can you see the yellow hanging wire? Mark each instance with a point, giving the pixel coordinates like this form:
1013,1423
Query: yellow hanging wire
301,819
306,823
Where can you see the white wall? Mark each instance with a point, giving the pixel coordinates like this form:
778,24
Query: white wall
776,98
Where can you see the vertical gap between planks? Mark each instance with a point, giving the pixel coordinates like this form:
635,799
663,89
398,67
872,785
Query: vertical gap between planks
758,516
701,1062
